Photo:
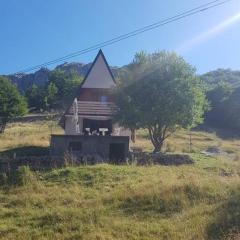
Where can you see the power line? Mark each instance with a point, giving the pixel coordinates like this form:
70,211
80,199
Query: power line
196,10
201,8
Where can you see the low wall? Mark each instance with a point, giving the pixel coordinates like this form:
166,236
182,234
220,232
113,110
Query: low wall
35,163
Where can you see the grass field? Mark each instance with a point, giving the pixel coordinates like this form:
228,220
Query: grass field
198,201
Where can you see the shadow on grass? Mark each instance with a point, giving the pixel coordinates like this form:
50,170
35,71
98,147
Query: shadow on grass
152,202
145,206
26,151
162,159
225,134
226,224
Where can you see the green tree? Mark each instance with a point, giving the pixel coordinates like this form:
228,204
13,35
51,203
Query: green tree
71,86
223,95
217,97
12,104
56,93
135,69
232,111
51,93
166,96
35,97
223,76
64,86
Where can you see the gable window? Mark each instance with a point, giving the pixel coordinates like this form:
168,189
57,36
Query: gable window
103,99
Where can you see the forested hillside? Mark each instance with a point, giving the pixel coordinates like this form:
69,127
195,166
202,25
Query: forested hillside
47,89
226,76
223,93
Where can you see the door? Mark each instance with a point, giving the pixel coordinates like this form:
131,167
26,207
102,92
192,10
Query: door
117,152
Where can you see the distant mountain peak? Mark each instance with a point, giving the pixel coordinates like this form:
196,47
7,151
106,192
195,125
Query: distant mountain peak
40,77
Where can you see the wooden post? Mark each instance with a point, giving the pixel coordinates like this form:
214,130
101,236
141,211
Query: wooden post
190,141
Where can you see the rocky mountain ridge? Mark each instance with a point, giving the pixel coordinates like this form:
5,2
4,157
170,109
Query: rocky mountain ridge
40,77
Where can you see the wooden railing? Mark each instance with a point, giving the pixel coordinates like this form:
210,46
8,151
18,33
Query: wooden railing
95,108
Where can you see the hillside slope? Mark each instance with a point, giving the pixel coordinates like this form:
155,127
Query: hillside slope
196,201
123,202
226,76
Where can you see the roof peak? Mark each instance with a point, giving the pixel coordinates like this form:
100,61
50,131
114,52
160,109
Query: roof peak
100,53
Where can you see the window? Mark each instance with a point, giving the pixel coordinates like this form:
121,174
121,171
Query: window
103,99
75,146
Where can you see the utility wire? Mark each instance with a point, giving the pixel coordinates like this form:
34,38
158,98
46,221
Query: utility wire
196,10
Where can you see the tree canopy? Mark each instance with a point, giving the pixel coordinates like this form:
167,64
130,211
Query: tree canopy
165,96
12,103
222,76
224,95
56,93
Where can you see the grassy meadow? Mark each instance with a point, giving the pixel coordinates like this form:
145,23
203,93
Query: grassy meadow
197,201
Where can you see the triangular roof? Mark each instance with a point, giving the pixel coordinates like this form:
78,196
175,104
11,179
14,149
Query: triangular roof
99,70
99,74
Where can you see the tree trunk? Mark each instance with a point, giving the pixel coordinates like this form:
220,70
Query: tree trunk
157,138
157,148
133,135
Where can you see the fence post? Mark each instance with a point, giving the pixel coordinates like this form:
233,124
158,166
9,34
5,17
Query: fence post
190,141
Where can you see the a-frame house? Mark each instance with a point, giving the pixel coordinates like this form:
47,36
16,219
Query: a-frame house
90,115
95,103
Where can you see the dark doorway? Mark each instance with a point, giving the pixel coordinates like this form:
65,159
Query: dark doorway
117,152
94,125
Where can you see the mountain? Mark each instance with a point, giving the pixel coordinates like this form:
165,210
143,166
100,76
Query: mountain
40,77
79,68
23,81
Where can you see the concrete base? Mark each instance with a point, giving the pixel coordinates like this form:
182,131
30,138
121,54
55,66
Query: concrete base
108,148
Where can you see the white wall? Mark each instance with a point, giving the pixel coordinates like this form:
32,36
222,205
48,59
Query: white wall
70,128
99,76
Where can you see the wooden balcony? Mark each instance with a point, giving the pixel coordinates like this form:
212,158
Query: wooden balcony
94,108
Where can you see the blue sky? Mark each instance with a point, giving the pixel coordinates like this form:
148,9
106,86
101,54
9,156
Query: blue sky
33,32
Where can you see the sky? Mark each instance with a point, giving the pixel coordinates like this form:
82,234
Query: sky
33,32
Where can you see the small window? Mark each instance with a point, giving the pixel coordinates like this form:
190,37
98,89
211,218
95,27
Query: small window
103,99
75,146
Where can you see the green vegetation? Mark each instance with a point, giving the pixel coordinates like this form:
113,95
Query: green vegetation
226,76
12,104
56,93
195,201
222,85
122,202
224,96
166,96
198,201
